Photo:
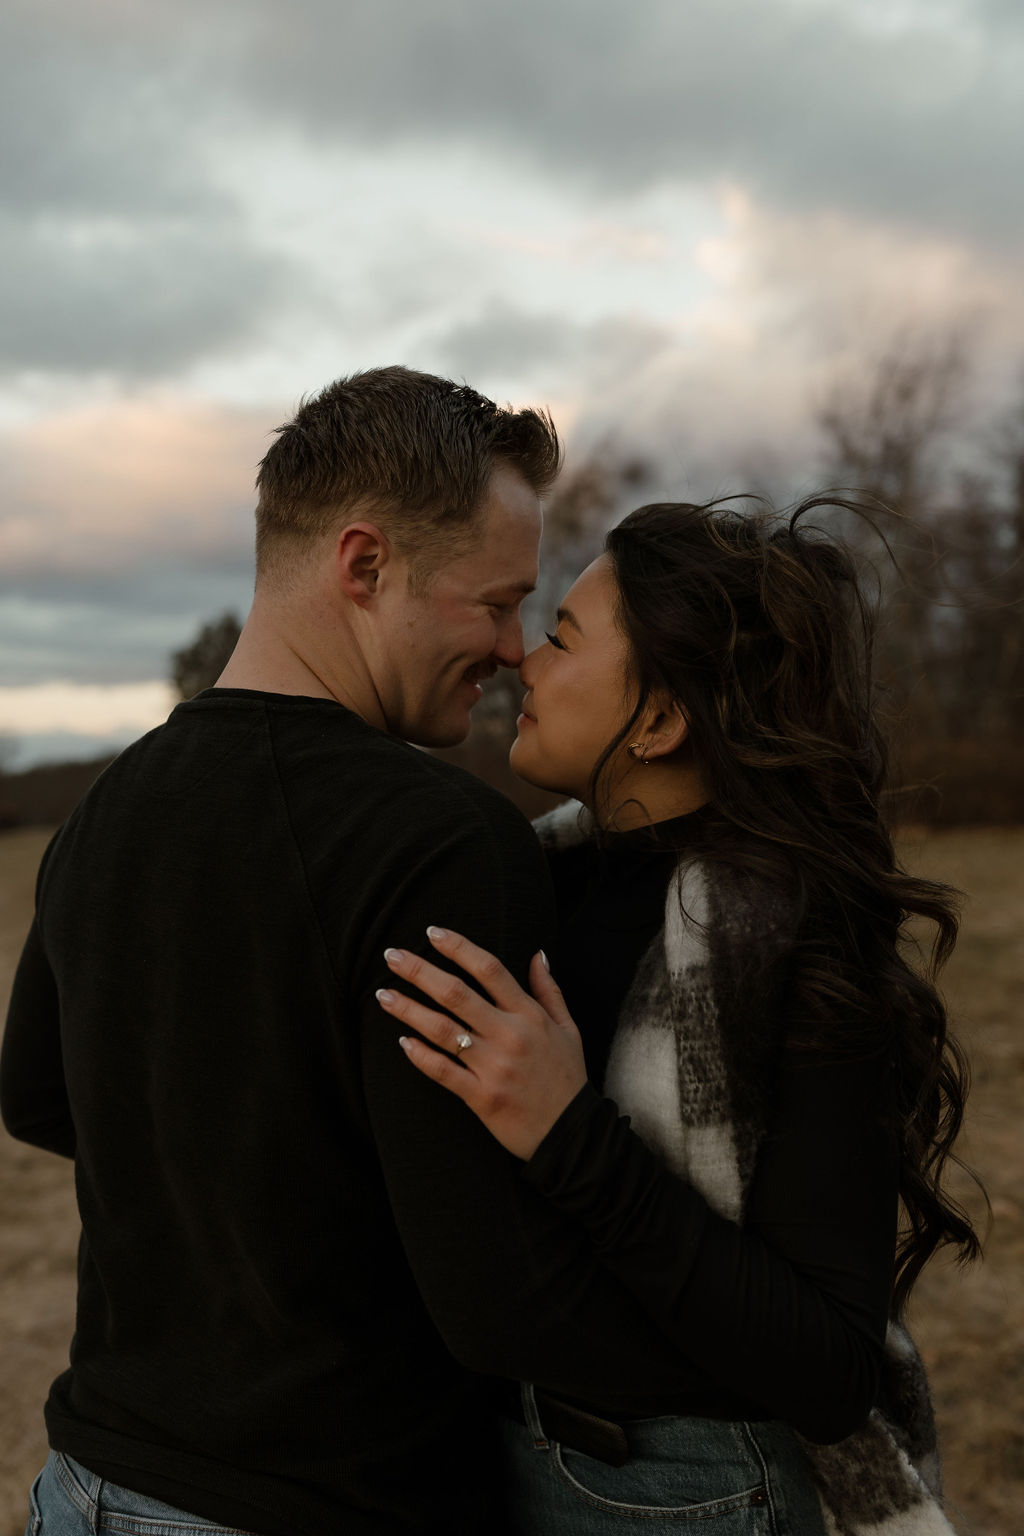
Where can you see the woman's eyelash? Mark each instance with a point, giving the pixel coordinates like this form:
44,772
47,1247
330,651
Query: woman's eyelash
554,640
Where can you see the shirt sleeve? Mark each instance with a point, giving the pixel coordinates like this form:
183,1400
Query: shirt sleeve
509,1280
789,1309
33,1096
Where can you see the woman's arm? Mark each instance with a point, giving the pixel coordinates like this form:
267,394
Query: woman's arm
790,1309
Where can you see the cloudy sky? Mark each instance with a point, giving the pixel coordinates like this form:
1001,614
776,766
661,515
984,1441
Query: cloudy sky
673,221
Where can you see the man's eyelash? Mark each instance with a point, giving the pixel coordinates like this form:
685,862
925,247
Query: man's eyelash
554,640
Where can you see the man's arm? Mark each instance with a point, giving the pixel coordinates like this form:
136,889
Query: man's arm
511,1284
33,1095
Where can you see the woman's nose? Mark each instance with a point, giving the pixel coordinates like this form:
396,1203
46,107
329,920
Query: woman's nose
527,672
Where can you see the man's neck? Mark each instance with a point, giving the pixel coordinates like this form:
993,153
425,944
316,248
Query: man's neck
271,658
273,673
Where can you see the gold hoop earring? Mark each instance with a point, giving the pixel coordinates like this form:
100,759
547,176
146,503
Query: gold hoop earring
636,751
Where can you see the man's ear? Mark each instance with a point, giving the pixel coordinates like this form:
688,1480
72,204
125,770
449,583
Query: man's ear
667,728
362,553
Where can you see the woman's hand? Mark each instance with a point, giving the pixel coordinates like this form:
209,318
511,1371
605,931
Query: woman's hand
519,1059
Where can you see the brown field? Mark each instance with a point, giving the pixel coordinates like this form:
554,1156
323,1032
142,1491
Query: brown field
970,1327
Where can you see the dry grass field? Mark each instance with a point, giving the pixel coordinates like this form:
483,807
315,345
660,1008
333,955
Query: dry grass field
970,1327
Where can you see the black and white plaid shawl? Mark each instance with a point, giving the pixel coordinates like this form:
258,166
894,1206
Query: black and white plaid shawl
691,1065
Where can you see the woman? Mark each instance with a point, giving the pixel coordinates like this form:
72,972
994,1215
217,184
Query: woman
732,945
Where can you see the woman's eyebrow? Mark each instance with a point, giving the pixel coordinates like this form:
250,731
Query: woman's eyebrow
567,615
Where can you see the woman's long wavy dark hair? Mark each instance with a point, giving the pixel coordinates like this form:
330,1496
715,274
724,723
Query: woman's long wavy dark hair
757,625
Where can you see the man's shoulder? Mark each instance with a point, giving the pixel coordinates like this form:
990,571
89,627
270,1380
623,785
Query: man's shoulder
463,794
400,838
356,774
441,797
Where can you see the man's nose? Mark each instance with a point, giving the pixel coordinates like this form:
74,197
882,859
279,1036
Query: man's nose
508,648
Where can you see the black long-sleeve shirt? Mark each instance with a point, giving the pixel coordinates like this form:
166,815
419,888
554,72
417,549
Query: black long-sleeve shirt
295,1247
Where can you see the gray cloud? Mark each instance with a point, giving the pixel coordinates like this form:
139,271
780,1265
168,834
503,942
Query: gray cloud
131,257
1001,12
97,630
137,302
504,339
97,110
807,105
126,253
122,254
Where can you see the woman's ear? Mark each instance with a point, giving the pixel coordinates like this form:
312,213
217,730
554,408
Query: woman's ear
667,729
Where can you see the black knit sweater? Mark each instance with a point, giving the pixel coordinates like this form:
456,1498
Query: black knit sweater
296,1248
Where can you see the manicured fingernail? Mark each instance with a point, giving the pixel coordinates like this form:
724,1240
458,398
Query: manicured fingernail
547,963
404,1042
394,956
437,933
384,997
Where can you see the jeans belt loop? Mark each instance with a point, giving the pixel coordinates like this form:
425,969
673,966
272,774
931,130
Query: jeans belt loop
532,1416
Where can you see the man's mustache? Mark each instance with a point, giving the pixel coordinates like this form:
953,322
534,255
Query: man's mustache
480,674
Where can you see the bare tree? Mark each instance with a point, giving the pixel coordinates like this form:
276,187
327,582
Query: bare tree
885,432
199,664
585,503
885,427
951,644
8,813
986,542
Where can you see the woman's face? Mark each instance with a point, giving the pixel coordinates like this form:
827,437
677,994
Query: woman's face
577,697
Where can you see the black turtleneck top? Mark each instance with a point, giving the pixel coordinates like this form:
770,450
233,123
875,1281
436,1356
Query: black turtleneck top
786,1316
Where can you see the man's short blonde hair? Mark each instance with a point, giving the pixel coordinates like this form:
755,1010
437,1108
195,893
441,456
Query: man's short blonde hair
411,450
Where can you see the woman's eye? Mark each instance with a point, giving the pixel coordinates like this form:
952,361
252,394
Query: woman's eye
554,640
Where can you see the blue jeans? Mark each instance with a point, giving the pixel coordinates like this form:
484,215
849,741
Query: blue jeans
706,1477
67,1500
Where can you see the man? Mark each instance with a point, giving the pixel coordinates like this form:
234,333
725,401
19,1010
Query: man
296,1250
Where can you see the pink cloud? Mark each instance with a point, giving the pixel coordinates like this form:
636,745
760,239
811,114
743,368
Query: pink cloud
105,485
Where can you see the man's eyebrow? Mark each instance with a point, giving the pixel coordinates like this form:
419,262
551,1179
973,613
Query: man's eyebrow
567,616
516,588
